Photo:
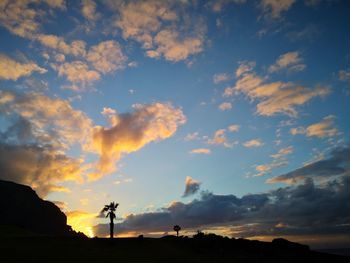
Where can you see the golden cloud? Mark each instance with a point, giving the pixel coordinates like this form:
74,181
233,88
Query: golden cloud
274,97
13,70
320,129
201,151
107,57
78,73
253,143
291,61
131,131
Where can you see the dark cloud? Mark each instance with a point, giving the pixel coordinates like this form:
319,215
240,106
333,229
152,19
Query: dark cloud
309,208
192,186
337,164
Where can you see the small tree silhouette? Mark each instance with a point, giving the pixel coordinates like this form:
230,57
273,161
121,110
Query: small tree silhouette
110,213
177,228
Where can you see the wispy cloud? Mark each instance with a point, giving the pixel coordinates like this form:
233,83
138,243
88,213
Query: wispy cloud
253,143
274,97
225,106
201,151
291,61
322,129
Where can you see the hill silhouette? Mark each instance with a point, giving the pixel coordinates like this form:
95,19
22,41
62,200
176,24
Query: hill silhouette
24,215
23,210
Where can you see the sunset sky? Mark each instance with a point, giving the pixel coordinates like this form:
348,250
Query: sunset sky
228,116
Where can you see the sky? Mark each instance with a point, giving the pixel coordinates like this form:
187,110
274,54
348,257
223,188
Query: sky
226,116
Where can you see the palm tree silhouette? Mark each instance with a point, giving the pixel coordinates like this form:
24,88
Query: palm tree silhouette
110,209
177,228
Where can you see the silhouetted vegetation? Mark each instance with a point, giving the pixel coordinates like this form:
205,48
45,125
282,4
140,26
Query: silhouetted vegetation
22,243
177,228
109,209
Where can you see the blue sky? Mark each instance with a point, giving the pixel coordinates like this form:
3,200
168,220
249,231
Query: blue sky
141,101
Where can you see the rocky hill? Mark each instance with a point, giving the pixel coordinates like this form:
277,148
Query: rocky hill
21,208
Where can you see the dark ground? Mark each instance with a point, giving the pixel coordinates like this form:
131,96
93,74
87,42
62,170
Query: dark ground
168,249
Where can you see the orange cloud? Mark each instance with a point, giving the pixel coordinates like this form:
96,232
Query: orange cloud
291,61
78,73
274,97
225,106
201,151
107,57
13,70
131,131
220,139
253,143
321,129
76,48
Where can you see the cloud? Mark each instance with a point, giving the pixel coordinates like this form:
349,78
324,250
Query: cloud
283,152
305,209
13,70
321,129
279,160
290,61
222,77
220,139
60,57
274,97
225,106
162,27
108,111
41,167
191,136
76,48
176,48
40,130
89,10
253,143
107,57
18,17
132,131
233,128
244,67
192,186
274,8
201,151
336,165
78,73
42,119
344,75
218,5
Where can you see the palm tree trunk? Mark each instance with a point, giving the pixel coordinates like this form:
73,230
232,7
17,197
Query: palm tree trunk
111,226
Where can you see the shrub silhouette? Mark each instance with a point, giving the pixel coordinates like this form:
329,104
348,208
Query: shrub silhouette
177,228
110,213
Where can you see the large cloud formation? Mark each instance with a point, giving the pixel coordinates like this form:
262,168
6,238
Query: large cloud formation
38,131
307,209
131,131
